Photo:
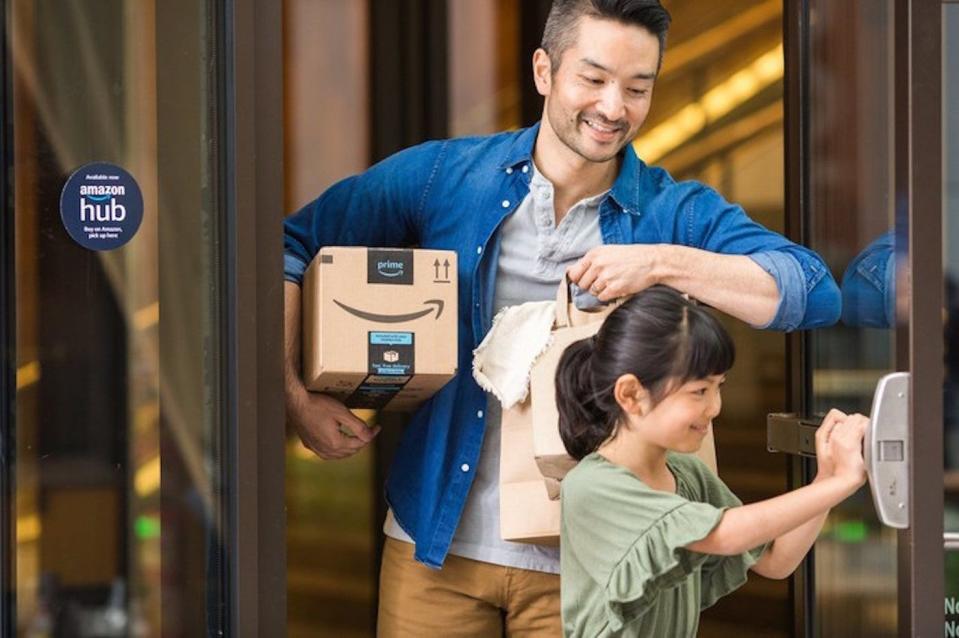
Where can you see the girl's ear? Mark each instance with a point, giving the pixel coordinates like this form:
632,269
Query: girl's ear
631,396
542,72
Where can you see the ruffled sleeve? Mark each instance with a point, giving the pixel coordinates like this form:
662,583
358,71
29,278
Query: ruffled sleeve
721,575
658,561
725,574
629,539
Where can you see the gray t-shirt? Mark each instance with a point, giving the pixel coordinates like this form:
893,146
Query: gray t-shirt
534,256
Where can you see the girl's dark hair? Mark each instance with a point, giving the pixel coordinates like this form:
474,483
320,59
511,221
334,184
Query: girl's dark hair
657,335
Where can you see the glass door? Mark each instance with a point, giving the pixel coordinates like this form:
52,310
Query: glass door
125,296
864,175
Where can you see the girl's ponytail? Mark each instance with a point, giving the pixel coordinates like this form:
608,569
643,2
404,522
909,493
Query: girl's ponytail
583,423
659,337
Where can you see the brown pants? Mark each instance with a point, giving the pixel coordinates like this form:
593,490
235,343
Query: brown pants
466,598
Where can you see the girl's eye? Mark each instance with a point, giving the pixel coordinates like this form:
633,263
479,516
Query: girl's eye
701,391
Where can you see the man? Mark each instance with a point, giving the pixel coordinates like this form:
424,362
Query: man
522,208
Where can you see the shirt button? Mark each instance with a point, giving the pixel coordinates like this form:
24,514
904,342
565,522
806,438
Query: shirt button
465,467
509,171
525,168
479,250
480,414
505,203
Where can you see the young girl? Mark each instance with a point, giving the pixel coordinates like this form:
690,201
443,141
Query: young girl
650,536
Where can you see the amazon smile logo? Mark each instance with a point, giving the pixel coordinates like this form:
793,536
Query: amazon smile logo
390,268
436,304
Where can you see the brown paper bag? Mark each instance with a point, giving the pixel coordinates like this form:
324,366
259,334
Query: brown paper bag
527,513
533,459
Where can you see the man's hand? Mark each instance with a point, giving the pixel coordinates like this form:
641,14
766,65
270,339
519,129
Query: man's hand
324,425
612,271
322,422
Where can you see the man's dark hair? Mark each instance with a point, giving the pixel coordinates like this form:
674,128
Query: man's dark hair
564,16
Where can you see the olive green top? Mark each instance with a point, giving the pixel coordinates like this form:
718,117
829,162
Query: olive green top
624,569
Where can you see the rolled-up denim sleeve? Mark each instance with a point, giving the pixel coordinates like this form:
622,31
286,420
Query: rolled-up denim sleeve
808,294
869,286
791,282
293,268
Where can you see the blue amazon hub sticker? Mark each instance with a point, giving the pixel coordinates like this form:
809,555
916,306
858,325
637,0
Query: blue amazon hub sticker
101,206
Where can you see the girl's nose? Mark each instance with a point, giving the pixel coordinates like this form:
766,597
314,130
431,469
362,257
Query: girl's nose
715,405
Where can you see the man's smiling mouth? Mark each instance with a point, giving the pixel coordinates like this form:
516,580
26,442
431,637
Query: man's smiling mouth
601,128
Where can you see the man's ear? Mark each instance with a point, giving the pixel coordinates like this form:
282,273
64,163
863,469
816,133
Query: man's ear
631,396
542,72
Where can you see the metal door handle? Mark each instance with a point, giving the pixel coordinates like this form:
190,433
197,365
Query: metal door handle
885,449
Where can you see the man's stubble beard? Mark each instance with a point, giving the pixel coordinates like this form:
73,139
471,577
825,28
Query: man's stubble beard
569,135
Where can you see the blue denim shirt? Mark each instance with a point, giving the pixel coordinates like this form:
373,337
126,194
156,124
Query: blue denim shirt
869,285
453,195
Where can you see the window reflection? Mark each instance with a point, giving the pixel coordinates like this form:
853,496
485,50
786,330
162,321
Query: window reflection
117,466
850,221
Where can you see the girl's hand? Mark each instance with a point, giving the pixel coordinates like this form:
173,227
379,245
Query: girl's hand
824,454
845,442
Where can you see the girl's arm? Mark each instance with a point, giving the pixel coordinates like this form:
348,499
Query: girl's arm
785,553
793,520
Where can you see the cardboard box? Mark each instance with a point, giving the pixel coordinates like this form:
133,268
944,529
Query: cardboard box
380,325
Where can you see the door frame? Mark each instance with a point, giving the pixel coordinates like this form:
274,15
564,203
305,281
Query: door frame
251,130
918,197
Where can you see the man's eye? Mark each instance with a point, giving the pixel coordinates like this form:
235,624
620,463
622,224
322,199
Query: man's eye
637,92
592,80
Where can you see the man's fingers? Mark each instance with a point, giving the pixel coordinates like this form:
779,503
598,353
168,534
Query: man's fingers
356,425
576,271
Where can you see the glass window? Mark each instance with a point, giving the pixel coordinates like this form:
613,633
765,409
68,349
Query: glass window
118,510
850,220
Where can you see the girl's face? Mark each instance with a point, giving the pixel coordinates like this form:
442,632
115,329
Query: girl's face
682,419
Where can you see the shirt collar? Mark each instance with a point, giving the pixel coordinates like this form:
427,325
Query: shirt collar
521,150
625,191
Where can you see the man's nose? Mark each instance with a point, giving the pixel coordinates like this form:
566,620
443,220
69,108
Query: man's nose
611,104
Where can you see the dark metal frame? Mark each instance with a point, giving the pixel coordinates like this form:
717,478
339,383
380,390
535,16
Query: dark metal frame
251,104
796,145
8,360
918,187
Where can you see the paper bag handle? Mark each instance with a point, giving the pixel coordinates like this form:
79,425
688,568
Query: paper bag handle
564,296
564,303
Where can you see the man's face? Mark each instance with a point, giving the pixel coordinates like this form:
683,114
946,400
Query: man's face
599,97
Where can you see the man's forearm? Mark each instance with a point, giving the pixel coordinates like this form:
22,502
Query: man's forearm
734,284
291,336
